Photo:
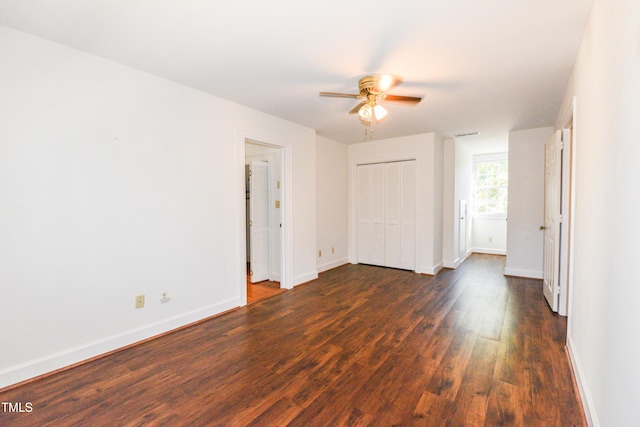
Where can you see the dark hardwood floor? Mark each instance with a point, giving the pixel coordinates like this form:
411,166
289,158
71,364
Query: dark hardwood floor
361,345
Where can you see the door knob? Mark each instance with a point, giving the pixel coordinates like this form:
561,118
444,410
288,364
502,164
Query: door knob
542,227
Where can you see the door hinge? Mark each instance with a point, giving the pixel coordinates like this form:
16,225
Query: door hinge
560,219
250,172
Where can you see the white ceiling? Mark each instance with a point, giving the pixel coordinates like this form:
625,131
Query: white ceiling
480,65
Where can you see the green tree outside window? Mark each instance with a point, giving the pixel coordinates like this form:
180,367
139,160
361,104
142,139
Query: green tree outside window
491,179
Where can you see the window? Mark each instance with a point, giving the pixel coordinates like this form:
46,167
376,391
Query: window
491,175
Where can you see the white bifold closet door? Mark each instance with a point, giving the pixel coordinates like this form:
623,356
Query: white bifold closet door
387,214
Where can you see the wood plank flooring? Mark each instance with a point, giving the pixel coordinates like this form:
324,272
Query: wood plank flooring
361,345
261,290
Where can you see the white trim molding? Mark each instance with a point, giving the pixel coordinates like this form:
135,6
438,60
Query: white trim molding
528,274
54,362
490,251
305,278
431,271
331,265
583,388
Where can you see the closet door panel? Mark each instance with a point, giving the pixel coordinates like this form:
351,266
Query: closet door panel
393,198
377,244
364,214
407,232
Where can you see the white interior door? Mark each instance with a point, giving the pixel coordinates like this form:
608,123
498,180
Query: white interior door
552,219
259,220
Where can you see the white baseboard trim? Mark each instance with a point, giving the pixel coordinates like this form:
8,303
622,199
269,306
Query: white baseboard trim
489,251
455,264
275,277
529,274
331,265
583,388
44,365
451,264
431,271
305,278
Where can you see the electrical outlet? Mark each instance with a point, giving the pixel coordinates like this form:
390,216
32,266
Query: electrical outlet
319,254
140,301
490,239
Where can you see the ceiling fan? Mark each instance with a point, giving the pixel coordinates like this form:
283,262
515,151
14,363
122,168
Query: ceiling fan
372,91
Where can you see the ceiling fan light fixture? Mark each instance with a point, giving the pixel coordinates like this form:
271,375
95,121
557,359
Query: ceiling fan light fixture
379,112
371,110
366,113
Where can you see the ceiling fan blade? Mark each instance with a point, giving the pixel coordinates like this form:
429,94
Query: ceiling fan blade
412,100
357,107
340,95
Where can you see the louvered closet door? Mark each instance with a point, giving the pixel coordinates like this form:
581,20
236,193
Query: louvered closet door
259,220
387,214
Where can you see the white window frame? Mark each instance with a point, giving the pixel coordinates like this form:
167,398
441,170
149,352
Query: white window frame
481,158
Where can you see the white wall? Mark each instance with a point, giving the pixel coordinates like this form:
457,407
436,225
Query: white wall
332,195
438,200
464,191
604,317
526,202
115,183
427,150
489,235
450,210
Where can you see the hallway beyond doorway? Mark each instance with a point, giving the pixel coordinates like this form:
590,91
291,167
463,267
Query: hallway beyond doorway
261,290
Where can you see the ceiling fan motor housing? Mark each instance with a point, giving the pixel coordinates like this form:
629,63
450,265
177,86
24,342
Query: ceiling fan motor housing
370,85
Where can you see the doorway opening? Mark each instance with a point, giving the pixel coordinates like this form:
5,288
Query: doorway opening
263,228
